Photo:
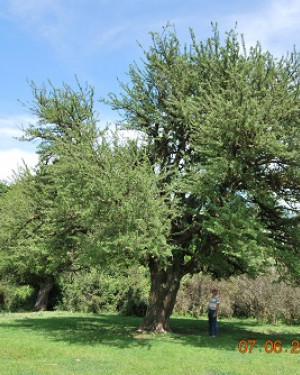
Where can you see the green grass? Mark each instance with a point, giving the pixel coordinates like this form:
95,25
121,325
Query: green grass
65,343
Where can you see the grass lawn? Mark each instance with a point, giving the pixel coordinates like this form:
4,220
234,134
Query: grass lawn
87,344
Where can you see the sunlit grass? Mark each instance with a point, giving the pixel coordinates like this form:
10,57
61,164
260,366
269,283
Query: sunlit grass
66,343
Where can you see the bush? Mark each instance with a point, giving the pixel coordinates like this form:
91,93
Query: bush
135,303
264,297
15,298
195,293
104,291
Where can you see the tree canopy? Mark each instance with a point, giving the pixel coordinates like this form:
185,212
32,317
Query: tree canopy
213,185
224,123
85,202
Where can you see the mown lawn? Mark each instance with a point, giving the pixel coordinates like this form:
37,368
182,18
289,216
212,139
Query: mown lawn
65,343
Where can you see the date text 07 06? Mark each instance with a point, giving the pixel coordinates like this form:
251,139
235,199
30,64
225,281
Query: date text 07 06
247,346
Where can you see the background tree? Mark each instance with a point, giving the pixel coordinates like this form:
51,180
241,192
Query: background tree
87,201
43,224
222,124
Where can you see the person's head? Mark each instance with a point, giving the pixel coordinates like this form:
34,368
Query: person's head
214,291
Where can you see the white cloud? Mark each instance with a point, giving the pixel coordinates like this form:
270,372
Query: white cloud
275,24
9,132
115,35
31,8
11,154
11,160
10,126
48,19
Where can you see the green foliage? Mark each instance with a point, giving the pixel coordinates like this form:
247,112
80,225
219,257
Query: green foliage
265,298
41,228
135,304
224,124
15,297
213,186
99,290
92,194
65,118
89,292
91,200
4,187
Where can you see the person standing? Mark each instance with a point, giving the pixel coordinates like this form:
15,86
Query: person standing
214,303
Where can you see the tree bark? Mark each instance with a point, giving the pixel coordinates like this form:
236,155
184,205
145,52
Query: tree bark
45,286
164,287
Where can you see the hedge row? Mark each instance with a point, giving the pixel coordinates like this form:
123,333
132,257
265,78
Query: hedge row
262,297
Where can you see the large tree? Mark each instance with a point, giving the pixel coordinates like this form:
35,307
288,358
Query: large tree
211,185
43,215
86,200
222,125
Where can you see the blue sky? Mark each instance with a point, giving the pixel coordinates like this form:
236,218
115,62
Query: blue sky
97,40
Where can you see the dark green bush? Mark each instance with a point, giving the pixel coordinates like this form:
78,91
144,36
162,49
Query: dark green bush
104,291
264,297
15,297
135,303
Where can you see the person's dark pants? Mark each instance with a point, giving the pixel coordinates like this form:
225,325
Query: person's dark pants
212,324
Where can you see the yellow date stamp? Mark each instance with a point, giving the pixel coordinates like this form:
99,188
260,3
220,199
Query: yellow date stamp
270,346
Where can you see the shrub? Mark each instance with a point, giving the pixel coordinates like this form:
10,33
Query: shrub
135,303
104,291
15,297
264,297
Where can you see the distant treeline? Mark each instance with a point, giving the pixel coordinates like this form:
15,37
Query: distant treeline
264,297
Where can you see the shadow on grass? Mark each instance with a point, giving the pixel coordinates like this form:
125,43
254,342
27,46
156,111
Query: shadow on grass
120,332
230,333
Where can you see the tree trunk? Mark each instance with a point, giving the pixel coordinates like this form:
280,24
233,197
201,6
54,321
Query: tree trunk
163,292
43,296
